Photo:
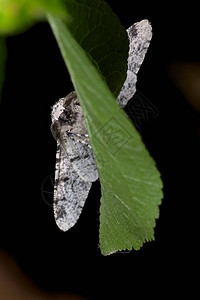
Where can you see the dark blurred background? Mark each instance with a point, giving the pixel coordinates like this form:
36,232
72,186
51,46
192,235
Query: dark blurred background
35,78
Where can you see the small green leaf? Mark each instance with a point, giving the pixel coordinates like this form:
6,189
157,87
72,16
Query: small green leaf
17,15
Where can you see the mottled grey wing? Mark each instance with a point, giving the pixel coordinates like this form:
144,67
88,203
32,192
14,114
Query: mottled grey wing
139,35
70,191
81,156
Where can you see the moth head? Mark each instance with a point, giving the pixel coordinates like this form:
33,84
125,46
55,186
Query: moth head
67,112
71,103
72,110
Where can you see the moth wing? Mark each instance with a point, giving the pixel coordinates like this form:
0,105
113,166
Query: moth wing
70,191
81,156
139,35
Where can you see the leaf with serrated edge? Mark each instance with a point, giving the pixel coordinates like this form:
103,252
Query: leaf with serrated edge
131,184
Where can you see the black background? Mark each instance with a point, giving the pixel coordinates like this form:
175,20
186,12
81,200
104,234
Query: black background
35,78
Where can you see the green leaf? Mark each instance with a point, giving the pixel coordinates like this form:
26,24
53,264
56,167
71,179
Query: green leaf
2,62
130,182
17,15
129,206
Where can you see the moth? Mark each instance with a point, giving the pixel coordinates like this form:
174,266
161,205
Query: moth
75,165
